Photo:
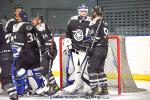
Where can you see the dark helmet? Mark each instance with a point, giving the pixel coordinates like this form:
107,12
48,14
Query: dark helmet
40,17
99,10
23,16
18,7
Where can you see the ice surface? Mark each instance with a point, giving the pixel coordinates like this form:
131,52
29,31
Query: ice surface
113,95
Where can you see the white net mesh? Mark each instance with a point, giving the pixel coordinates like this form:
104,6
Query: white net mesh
127,83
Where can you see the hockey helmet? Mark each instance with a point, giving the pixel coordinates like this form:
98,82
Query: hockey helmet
99,10
18,7
82,7
40,17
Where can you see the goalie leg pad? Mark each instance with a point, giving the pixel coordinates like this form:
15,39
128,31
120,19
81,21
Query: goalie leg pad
21,82
35,80
76,85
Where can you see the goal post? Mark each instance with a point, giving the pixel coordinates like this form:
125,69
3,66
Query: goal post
118,61
116,66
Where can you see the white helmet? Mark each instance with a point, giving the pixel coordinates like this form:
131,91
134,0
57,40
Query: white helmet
82,7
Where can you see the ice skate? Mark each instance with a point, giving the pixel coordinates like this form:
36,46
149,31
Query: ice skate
93,94
104,92
13,97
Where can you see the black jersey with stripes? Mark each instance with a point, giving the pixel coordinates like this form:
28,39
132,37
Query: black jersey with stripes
24,35
46,33
3,44
101,37
9,25
5,48
76,31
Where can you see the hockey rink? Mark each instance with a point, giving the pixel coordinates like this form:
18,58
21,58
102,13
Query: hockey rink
112,95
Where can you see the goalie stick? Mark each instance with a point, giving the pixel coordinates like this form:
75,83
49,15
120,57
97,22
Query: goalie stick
70,57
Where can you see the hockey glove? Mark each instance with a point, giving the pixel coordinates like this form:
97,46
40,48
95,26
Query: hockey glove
67,44
89,52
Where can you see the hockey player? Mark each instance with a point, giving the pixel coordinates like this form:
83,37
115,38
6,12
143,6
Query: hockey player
5,63
25,71
6,46
76,37
49,53
98,29
11,22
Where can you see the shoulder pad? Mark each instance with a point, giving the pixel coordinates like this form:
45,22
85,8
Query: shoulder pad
41,27
9,22
17,26
74,18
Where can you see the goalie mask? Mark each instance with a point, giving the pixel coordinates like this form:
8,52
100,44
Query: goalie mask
82,8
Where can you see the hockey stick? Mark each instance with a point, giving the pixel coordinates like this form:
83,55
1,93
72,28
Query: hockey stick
51,60
67,67
85,62
94,40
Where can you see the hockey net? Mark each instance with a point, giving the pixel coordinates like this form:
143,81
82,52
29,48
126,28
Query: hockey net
116,67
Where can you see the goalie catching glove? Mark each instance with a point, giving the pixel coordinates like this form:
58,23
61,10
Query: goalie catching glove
67,44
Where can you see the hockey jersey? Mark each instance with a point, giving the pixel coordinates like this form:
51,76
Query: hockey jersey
76,31
23,35
101,37
45,32
5,49
10,24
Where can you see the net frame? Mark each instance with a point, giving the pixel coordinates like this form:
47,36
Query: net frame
122,86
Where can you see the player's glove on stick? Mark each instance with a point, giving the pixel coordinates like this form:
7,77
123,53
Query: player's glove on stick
89,51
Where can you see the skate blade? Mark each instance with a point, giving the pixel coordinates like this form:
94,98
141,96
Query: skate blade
98,96
104,96
65,94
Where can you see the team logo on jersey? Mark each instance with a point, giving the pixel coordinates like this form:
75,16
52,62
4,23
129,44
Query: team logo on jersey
78,35
29,27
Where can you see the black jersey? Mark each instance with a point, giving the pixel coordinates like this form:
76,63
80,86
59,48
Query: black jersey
3,40
2,35
101,38
10,24
5,48
23,35
46,34
76,31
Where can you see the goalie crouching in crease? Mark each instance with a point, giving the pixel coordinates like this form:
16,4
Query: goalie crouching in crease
25,71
